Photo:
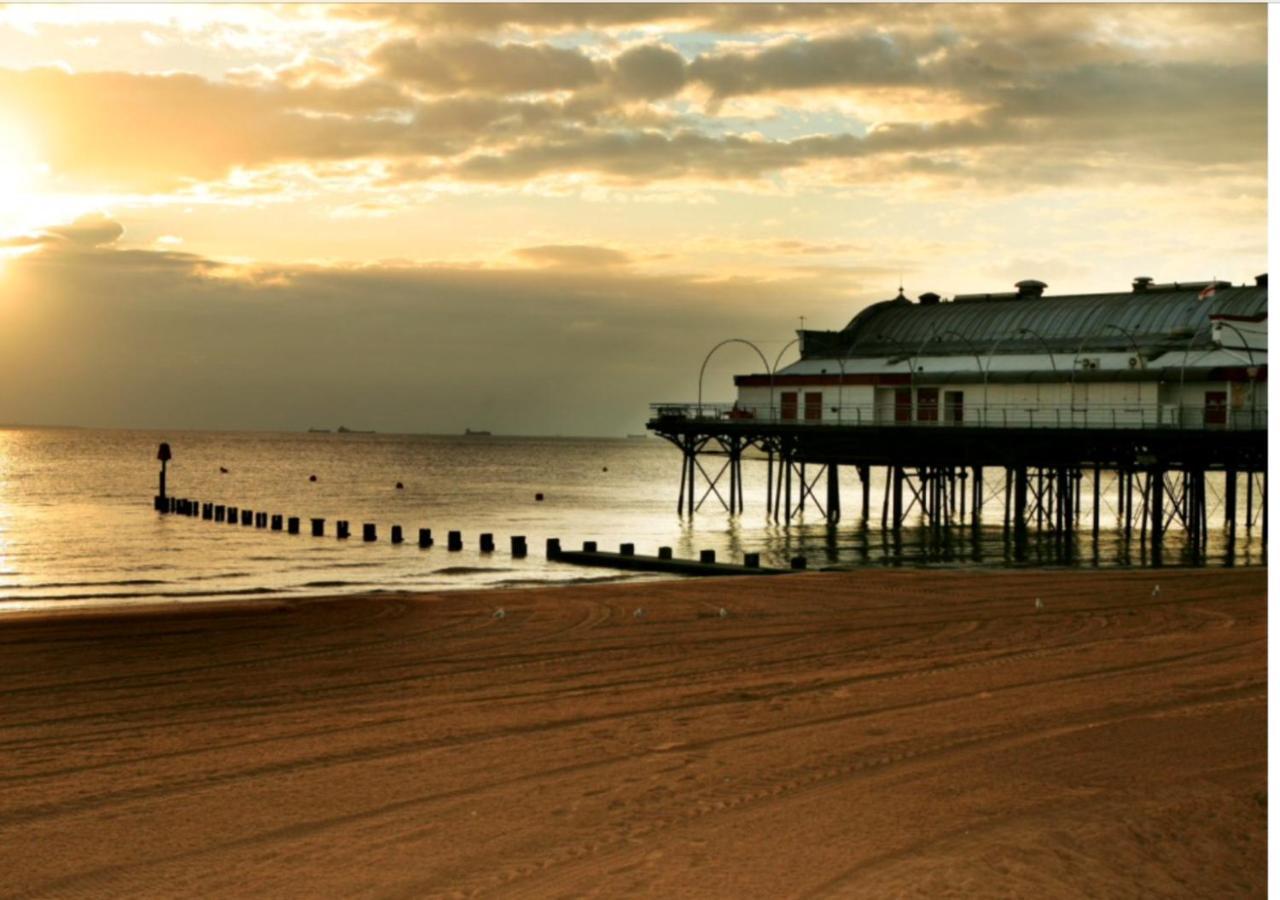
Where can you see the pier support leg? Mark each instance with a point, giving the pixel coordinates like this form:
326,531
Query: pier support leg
833,493
1229,513
1097,503
1155,482
897,497
864,478
768,490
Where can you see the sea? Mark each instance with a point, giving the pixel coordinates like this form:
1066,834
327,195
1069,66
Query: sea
78,528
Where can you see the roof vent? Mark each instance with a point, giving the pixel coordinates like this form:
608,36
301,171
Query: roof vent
1141,283
1029,287
929,298
1261,279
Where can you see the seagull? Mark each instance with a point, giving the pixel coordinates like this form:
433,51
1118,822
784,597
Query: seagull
499,613
1039,604
639,613
1155,591
223,469
724,613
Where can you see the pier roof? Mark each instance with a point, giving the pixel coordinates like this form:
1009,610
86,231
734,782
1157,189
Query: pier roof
1152,317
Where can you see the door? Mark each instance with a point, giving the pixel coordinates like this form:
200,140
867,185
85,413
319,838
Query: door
789,400
813,406
902,405
954,409
1215,408
927,405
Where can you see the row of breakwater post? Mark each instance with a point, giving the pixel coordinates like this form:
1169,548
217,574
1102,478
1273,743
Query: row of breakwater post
625,558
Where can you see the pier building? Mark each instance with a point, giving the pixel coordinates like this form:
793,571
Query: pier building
1159,384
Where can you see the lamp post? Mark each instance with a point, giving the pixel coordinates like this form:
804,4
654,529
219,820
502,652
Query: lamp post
773,400
977,359
1252,371
703,370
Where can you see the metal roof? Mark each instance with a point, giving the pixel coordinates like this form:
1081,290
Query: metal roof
1149,320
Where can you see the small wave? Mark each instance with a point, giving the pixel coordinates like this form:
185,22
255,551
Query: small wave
218,575
553,582
333,584
466,570
128,582
147,595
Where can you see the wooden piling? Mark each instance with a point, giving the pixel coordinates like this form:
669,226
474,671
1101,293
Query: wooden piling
295,525
486,543
519,549
277,522
553,548
588,546
233,515
424,538
317,527
799,562
397,534
219,513
707,556
369,532
246,517
343,529
665,553
455,541
627,549
751,560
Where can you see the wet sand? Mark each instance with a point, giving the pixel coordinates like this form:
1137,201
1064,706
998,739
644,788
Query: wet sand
877,734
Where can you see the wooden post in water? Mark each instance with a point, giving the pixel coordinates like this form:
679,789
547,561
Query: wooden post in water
277,522
424,538
627,549
295,525
370,532
486,543
519,549
317,527
397,535
751,560
707,556
553,548
164,454
343,529
665,553
455,541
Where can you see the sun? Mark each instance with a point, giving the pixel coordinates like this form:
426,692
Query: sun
22,179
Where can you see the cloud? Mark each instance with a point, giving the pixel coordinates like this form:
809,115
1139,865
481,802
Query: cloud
169,339
574,256
447,66
92,230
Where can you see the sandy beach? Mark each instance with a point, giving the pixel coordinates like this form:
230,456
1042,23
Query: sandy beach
878,733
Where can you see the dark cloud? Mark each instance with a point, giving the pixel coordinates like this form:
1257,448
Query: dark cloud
447,66
92,230
855,60
109,336
574,255
648,71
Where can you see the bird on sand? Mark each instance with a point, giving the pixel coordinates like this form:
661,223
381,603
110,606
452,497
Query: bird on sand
639,613
499,613
223,469
724,613
1039,604
1155,591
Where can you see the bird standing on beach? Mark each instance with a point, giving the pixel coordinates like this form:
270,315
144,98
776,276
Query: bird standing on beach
499,613
639,613
223,469
1155,591
1039,604
724,613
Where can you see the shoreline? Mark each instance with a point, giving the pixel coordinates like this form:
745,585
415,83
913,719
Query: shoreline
894,731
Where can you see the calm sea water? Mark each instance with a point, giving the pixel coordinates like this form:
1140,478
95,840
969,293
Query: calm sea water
77,527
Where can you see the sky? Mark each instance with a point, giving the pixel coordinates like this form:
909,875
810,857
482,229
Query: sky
539,218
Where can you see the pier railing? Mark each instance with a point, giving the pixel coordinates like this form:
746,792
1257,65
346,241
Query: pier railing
1009,415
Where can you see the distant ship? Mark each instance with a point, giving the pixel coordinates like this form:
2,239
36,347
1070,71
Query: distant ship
638,437
477,433
343,429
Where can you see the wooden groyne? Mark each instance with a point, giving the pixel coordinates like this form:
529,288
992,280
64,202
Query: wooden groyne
640,563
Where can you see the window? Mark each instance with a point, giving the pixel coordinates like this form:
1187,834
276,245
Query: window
954,409
902,405
1215,407
927,405
789,401
813,406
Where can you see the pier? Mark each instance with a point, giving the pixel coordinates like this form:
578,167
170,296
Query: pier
1010,401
